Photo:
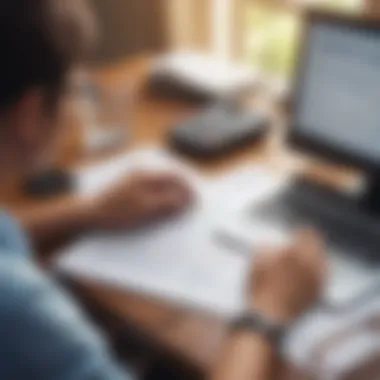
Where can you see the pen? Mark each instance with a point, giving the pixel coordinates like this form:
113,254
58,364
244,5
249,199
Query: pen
232,243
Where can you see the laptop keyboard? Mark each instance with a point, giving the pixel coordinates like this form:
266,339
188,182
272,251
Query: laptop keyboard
352,236
344,225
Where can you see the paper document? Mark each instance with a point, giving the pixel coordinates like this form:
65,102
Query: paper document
180,260
91,179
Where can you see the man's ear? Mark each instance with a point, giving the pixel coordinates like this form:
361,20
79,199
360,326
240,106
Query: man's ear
26,118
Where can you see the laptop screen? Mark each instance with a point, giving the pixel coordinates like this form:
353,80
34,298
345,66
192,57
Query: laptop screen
339,103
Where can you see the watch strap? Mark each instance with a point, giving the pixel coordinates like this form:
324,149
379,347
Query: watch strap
259,323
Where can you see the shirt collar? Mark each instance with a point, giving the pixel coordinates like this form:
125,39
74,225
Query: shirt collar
12,237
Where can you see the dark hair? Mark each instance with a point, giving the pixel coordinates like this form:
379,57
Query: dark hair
39,41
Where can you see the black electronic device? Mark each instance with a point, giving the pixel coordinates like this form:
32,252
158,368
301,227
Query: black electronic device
48,183
351,234
217,130
343,223
336,112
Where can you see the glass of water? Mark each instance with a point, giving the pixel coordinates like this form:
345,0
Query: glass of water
104,115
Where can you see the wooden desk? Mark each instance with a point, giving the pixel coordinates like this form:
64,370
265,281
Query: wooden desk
190,337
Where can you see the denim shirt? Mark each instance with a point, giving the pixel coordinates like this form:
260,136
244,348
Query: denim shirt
43,334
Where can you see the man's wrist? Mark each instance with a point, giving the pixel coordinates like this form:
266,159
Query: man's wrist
254,321
249,337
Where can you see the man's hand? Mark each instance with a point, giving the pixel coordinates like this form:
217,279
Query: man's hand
139,198
285,282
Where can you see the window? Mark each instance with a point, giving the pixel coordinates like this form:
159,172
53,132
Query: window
271,32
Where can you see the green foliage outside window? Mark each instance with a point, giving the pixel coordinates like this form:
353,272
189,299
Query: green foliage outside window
272,35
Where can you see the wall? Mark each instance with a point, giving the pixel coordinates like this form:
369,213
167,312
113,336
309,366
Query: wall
130,26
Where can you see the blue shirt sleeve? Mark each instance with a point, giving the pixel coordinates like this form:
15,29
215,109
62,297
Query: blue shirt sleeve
43,335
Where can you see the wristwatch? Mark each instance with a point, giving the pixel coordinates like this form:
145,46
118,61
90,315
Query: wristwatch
259,323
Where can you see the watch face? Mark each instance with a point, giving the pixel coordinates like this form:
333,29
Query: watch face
259,323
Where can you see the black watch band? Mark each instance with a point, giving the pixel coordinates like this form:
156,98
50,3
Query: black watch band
259,323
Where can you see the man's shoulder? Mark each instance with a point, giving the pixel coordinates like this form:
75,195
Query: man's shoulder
17,271
14,241
36,310
19,278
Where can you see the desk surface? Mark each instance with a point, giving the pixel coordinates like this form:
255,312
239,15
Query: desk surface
190,336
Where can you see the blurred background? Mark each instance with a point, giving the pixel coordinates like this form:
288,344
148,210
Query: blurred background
231,45
263,33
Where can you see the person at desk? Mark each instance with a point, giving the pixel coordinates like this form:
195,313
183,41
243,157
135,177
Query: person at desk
43,335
